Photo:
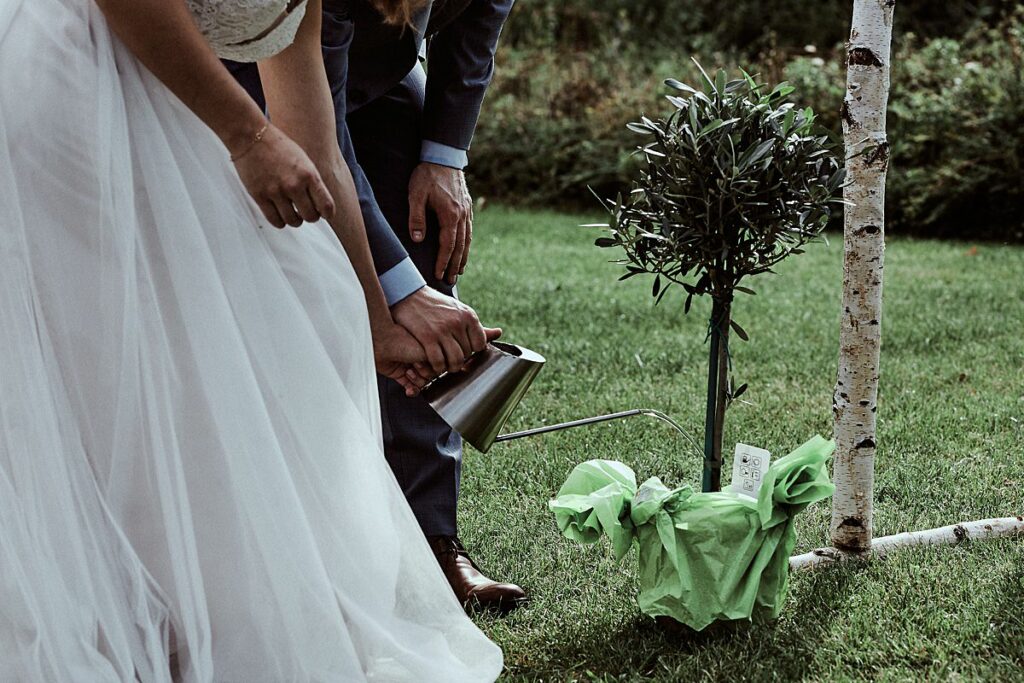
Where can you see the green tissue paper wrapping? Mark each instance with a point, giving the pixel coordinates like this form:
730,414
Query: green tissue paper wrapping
704,557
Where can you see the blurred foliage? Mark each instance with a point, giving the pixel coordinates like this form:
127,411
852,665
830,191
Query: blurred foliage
747,25
958,143
571,75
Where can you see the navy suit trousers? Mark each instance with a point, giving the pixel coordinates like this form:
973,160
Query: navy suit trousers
423,451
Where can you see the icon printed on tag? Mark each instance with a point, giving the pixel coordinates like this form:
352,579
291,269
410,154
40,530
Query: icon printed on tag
749,466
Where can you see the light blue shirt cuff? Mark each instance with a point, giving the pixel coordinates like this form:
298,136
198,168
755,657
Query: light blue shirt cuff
400,281
444,155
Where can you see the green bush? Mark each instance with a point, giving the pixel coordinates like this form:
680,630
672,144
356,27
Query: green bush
954,124
958,142
555,123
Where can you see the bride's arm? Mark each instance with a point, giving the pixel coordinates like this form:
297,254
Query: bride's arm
275,171
300,104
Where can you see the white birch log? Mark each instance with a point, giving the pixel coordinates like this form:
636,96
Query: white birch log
867,157
984,529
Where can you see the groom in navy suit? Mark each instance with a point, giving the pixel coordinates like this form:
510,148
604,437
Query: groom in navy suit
405,136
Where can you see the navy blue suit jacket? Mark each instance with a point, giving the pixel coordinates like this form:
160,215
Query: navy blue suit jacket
458,39
365,58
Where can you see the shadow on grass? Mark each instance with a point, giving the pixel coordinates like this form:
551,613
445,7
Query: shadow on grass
641,647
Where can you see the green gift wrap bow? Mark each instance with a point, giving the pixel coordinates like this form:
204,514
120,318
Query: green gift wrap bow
704,557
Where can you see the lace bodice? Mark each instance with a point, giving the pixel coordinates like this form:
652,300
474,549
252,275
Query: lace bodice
248,30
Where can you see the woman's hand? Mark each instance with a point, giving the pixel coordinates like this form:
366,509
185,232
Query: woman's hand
299,101
283,181
396,353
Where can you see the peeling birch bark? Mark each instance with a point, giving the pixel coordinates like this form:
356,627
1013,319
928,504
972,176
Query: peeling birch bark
983,529
867,158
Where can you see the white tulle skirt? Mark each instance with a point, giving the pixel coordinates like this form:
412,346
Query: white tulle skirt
190,456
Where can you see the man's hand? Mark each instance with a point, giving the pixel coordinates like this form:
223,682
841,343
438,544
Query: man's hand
444,190
448,330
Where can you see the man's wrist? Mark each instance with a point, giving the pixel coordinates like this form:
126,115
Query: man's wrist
401,281
443,155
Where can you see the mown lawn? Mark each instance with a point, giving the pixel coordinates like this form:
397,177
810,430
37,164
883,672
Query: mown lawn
951,439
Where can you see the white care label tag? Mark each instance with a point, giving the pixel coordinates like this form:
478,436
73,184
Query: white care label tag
749,466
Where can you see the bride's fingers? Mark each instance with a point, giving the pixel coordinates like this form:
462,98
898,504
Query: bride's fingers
416,378
305,205
287,210
269,212
424,371
411,389
321,197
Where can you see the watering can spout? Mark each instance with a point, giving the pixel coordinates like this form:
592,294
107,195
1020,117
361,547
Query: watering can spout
478,401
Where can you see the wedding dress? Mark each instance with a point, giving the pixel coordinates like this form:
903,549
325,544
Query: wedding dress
190,448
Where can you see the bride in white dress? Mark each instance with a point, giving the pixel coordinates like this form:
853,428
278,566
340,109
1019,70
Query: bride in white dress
192,485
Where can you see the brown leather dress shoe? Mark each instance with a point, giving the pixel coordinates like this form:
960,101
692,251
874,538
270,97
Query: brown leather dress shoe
474,590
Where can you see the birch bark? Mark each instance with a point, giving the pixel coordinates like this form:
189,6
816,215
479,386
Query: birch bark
980,530
867,159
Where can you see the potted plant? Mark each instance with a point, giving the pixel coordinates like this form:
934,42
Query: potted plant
735,179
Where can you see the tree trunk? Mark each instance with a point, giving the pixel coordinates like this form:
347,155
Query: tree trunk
867,158
718,387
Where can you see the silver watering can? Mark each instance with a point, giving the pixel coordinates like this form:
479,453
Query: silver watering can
478,401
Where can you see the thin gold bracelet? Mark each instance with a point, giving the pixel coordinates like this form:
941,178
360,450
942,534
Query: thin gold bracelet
256,138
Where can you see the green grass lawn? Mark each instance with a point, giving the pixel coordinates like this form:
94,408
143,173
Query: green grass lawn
951,435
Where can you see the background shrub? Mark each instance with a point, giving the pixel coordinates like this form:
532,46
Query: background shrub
571,74
746,25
